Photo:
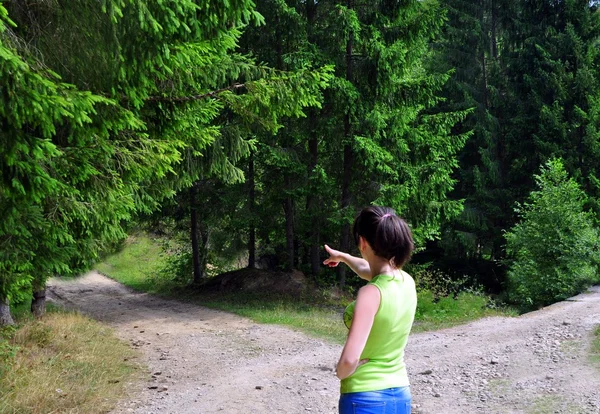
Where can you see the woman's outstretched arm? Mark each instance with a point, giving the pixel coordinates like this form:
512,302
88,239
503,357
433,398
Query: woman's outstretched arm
359,266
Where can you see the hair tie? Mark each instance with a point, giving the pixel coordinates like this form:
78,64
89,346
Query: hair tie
385,215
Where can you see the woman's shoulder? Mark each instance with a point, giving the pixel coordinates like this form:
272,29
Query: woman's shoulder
407,278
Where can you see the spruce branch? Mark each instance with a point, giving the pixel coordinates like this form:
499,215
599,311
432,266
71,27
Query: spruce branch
195,97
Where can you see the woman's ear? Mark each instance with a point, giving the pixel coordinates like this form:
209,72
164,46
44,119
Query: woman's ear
362,244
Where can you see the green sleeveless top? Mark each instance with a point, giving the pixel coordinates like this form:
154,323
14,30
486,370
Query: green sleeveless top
388,337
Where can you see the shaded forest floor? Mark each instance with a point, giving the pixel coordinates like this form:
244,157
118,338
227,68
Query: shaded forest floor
206,361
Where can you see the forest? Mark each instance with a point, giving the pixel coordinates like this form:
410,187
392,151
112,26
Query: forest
253,132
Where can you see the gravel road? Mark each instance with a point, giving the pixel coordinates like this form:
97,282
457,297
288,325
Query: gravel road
205,361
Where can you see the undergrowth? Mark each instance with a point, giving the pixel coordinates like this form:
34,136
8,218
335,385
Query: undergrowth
139,263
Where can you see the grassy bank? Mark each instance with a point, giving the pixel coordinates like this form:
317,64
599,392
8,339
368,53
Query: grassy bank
595,350
137,264
63,363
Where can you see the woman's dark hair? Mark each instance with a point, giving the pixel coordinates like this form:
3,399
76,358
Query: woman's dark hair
388,235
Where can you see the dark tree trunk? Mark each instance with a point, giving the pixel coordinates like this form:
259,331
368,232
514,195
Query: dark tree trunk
288,207
194,235
204,234
312,201
38,304
348,160
251,205
5,316
313,148
493,39
310,11
345,236
315,257
484,90
484,63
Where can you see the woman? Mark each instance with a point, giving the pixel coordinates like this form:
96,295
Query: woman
371,368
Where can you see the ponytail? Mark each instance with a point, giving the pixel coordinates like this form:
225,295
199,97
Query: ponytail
388,235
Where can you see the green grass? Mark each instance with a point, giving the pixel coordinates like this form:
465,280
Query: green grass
595,350
500,386
63,362
543,405
300,313
136,265
447,312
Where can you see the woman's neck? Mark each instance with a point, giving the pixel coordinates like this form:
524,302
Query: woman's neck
380,266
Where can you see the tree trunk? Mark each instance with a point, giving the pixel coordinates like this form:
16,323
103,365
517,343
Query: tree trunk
251,205
346,198
288,207
310,11
348,160
204,234
493,39
38,304
313,148
312,201
5,316
484,63
345,236
194,235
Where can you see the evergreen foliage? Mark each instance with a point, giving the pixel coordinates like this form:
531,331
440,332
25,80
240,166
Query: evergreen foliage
554,248
260,128
109,109
377,138
530,71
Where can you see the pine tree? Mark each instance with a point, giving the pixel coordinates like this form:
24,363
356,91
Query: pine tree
111,122
470,48
378,137
553,250
554,90
529,71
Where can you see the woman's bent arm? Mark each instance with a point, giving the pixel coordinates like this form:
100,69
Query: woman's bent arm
367,304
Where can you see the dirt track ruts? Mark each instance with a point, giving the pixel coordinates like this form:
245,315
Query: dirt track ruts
215,362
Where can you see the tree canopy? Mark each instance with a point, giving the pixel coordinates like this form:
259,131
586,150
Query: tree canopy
111,108
258,129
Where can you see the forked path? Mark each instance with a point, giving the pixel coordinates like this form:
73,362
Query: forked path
205,361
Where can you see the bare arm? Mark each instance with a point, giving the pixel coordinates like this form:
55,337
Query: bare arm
358,265
367,304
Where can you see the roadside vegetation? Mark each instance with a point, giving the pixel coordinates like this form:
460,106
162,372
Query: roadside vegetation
595,351
442,303
63,362
554,249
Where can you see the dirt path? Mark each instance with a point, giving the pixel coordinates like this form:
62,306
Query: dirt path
205,361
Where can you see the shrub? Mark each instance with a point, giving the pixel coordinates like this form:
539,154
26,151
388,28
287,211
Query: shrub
439,283
553,252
